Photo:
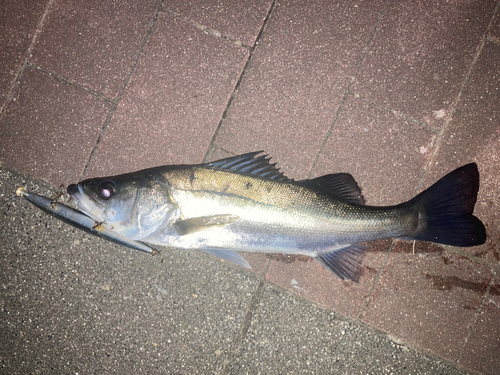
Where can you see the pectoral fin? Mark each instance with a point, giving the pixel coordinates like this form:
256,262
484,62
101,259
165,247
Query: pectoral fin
346,262
229,255
196,224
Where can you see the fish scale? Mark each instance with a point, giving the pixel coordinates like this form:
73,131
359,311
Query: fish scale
350,223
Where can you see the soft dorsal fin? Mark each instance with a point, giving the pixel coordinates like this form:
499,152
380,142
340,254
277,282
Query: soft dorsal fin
340,185
251,165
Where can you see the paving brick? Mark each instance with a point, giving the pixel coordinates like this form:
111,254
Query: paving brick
296,80
428,298
481,350
421,54
385,153
241,21
18,22
49,128
172,106
474,135
306,277
94,42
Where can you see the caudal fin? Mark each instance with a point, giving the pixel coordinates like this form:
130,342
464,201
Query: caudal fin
448,205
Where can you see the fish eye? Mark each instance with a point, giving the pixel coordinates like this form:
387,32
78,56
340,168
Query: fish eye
106,190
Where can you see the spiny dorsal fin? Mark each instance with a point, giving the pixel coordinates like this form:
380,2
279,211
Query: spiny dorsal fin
251,165
340,185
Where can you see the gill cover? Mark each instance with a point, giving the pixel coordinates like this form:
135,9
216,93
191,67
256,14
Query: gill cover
134,206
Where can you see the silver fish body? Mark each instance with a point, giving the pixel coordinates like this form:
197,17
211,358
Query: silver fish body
245,204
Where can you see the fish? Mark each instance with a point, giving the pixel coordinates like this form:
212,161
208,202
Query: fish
245,203
79,220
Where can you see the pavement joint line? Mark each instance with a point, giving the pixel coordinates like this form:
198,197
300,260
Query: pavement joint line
492,20
247,320
493,39
401,115
238,82
476,315
245,326
109,116
222,149
205,29
348,90
453,106
460,252
63,79
112,110
355,322
27,57
371,292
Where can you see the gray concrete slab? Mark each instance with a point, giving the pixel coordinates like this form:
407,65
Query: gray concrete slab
288,335
73,303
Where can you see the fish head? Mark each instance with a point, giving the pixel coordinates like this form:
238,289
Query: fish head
133,206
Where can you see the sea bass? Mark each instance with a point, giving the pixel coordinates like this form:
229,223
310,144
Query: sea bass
245,203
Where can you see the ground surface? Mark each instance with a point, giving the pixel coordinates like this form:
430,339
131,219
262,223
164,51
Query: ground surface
395,93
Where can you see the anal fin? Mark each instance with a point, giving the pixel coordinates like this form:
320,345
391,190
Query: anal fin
346,262
230,256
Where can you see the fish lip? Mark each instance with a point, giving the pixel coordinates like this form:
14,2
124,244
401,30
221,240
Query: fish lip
85,205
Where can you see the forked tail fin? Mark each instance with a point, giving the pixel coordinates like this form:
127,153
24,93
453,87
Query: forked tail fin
448,205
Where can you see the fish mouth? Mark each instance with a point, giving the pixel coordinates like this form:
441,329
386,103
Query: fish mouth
85,204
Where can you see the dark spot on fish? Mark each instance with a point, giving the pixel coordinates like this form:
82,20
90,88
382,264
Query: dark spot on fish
192,178
248,185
